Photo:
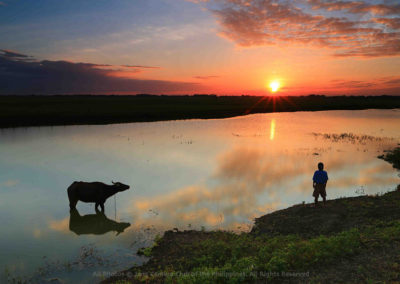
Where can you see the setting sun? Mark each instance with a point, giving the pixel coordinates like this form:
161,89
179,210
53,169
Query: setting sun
274,86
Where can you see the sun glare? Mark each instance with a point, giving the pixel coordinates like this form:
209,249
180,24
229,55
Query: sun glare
274,86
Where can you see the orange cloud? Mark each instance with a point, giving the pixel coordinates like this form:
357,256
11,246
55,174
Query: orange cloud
393,23
356,7
312,22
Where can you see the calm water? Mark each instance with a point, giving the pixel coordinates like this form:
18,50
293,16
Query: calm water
217,174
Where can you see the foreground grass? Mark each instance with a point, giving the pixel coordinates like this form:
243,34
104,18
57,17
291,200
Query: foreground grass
359,241
68,110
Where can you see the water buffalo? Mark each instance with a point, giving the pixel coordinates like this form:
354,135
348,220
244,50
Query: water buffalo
96,224
96,192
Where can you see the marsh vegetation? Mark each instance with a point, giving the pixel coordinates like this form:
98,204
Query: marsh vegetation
91,109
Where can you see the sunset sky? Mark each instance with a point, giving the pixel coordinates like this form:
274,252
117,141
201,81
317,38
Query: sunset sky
225,47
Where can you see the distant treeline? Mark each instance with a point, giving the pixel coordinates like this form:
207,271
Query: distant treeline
100,109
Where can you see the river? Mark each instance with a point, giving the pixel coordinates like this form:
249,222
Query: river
188,174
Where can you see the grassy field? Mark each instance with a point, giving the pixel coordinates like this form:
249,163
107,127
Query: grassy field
88,109
349,240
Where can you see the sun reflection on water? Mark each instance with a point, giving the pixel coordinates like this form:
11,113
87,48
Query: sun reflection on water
272,130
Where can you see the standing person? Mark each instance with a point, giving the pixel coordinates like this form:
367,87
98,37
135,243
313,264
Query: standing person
320,179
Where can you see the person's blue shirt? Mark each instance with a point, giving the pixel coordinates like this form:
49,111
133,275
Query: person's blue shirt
320,177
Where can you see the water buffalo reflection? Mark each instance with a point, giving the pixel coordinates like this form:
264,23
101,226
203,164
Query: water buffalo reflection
95,224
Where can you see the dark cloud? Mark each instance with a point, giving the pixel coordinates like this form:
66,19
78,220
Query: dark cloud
141,66
362,29
206,77
378,86
22,74
14,55
353,84
394,81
